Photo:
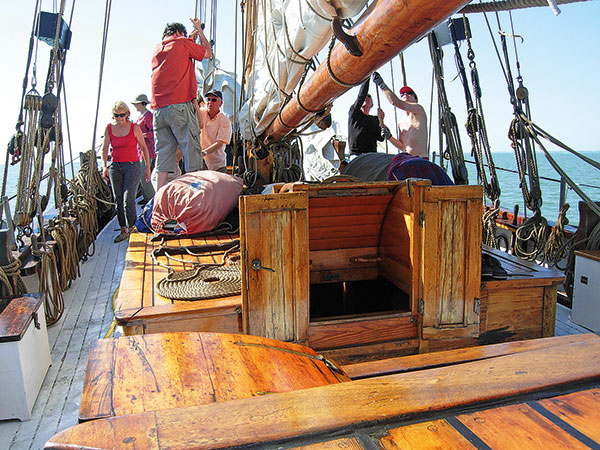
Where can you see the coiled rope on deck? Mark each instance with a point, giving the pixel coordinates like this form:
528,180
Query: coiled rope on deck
201,283
204,281
50,285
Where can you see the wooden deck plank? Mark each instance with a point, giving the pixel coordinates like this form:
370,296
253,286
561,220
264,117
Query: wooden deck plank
449,357
342,406
528,429
425,435
138,305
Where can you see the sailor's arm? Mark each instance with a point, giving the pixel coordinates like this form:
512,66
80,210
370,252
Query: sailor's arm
396,143
393,98
139,137
198,113
203,41
105,144
223,138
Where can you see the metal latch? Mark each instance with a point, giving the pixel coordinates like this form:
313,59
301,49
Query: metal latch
36,321
421,218
421,306
477,305
257,265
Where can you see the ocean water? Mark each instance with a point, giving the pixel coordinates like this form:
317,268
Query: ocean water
585,175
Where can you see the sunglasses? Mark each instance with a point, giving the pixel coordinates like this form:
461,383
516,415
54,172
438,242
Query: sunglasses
120,115
407,93
212,99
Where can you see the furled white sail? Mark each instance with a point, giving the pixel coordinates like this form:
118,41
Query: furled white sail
288,35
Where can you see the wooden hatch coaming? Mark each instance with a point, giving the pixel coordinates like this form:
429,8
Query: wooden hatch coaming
275,277
450,269
345,222
375,405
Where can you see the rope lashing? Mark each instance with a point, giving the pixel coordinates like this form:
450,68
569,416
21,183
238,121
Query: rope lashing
11,282
448,125
330,70
50,285
557,246
504,5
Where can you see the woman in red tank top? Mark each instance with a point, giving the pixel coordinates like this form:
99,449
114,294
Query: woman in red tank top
123,137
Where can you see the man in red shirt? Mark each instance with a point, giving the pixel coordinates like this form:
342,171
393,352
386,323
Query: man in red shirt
174,86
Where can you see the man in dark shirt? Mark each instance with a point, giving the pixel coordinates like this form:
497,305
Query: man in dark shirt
364,130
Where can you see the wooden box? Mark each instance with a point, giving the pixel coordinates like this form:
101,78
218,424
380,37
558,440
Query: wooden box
24,355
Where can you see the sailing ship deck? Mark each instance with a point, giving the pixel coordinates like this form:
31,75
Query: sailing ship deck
87,317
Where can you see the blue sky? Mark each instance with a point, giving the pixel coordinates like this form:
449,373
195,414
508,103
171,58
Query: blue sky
559,64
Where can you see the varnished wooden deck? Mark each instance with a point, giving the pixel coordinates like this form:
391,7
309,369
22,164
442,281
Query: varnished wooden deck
87,317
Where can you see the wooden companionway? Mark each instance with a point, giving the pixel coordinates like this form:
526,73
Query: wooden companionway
418,239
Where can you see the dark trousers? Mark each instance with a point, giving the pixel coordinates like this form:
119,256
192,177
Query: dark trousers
124,179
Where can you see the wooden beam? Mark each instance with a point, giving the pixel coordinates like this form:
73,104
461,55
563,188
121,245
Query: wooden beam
390,28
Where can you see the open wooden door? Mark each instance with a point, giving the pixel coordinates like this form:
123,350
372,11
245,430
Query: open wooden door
450,263
275,265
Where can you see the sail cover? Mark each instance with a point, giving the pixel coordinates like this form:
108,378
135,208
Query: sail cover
287,35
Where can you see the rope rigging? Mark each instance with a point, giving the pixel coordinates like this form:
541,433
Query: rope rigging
534,241
41,120
531,236
477,131
448,124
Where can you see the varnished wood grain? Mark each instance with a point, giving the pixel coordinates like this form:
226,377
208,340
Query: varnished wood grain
17,316
581,410
457,356
136,374
139,309
450,265
528,429
347,332
275,299
337,444
437,434
342,259
339,406
370,352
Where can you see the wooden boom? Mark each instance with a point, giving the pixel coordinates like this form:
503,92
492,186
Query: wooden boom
390,28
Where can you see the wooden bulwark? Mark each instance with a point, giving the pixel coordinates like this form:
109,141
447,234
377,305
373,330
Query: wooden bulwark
346,408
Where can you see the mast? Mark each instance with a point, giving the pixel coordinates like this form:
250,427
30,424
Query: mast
390,28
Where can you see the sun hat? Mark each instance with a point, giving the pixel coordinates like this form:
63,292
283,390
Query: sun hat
141,98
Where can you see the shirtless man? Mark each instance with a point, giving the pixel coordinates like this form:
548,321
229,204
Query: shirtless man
413,126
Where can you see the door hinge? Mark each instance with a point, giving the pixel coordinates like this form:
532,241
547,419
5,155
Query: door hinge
421,306
422,218
477,305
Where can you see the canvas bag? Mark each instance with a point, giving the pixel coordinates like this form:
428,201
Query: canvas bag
197,201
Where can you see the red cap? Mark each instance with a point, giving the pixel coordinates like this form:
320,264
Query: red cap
406,89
